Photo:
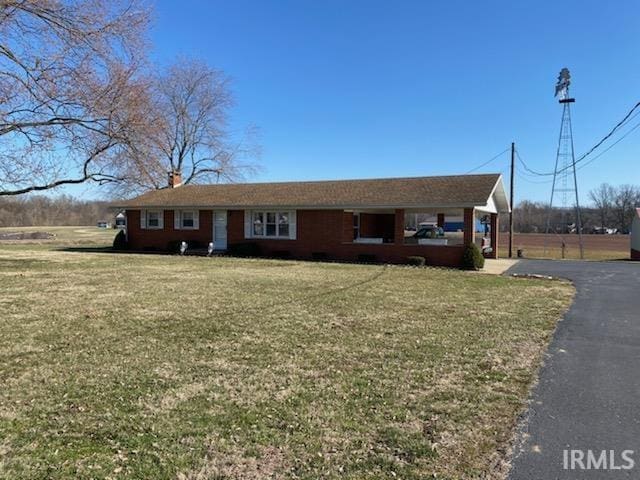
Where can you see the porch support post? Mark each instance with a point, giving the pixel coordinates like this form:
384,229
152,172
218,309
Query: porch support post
398,231
469,226
441,220
494,235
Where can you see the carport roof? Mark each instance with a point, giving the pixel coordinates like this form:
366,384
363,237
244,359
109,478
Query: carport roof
485,191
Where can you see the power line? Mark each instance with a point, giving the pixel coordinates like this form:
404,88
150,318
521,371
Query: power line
532,173
524,172
608,135
526,167
610,146
627,118
535,182
488,161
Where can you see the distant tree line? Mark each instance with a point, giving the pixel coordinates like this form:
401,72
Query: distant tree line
49,211
611,207
615,205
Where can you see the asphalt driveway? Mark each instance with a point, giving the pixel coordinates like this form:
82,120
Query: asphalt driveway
588,396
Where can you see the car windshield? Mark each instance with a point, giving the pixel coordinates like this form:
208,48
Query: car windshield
428,231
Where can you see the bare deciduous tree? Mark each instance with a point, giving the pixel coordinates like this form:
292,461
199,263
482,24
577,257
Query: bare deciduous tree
186,132
627,197
603,199
69,89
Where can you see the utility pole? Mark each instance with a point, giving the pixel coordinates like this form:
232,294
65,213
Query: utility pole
513,166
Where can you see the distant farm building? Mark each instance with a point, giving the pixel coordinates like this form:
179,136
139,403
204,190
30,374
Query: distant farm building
635,236
121,220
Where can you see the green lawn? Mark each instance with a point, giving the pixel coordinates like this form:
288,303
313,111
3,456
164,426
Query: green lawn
134,366
64,236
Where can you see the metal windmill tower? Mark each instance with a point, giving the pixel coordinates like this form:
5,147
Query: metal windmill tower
565,166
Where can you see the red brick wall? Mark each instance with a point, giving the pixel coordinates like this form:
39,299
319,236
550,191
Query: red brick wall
469,226
347,226
398,236
331,232
146,239
318,231
377,225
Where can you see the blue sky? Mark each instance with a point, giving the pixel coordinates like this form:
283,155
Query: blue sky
349,89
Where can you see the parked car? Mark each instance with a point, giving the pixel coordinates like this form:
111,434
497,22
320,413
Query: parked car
431,231
426,225
431,234
604,231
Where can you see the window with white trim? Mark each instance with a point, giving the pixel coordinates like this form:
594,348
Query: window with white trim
187,219
356,225
153,218
271,224
283,224
258,224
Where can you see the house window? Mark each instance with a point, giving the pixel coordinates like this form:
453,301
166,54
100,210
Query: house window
271,224
356,225
283,224
188,219
153,219
258,224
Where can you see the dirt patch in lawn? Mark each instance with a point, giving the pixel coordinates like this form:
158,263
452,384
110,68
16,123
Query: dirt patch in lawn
12,236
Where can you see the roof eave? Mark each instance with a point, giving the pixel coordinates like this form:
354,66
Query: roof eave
295,207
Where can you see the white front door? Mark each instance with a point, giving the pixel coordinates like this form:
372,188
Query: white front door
220,229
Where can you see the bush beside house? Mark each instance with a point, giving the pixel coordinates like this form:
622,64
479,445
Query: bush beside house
472,258
120,241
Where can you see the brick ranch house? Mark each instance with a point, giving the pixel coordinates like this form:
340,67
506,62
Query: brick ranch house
339,220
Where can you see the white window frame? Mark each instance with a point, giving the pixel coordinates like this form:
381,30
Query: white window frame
265,214
356,225
179,220
183,218
160,225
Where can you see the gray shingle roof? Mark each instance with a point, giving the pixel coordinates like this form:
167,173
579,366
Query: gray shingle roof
440,191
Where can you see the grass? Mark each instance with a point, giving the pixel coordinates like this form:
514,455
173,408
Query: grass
165,367
64,236
590,253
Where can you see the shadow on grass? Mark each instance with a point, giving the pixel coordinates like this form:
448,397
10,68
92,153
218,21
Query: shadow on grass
107,249
318,294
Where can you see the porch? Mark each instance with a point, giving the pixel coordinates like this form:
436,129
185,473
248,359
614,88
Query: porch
400,230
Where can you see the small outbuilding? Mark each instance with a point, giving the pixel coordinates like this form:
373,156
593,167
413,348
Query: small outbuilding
635,236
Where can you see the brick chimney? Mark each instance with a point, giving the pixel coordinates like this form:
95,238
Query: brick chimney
175,179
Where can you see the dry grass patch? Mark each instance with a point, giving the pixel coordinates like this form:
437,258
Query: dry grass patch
142,366
61,236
